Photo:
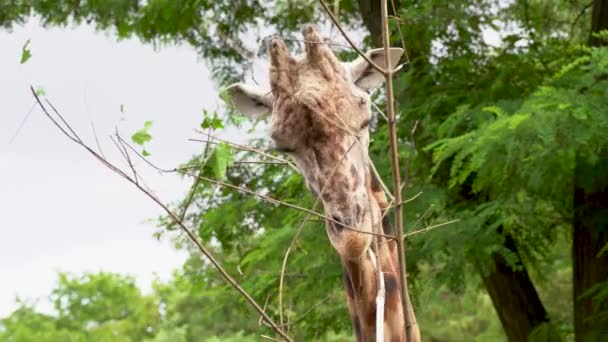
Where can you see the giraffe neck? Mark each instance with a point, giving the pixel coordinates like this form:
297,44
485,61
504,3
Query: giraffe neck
360,282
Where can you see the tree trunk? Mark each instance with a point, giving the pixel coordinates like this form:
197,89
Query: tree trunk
599,20
590,221
514,296
590,235
370,14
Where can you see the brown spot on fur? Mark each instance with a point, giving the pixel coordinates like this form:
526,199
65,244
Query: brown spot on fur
390,283
357,327
358,212
375,181
348,285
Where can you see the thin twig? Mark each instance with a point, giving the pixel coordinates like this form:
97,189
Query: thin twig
419,231
249,149
396,17
259,162
307,312
261,320
377,108
22,123
196,182
311,42
428,210
377,174
337,24
283,265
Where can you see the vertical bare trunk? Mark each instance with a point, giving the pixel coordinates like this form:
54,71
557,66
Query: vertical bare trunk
370,11
515,299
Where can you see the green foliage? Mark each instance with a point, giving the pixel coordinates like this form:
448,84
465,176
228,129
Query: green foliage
211,122
142,136
92,307
40,91
26,54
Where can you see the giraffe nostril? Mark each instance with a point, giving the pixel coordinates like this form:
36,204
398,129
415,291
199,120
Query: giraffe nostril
337,223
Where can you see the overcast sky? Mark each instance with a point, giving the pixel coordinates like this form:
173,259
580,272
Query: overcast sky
60,209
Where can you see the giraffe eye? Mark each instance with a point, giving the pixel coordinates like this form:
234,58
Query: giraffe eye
365,124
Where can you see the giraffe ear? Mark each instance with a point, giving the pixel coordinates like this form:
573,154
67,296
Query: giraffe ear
251,101
364,75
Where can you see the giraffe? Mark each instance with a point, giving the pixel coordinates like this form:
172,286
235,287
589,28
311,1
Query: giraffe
319,116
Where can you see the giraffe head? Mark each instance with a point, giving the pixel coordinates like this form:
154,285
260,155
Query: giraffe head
319,115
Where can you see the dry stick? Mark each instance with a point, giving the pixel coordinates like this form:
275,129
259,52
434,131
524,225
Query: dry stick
350,42
22,123
313,42
297,234
250,149
423,230
283,265
399,21
384,187
75,138
259,162
409,158
258,195
379,110
194,186
408,313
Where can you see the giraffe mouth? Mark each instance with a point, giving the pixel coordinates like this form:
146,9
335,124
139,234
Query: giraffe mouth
348,237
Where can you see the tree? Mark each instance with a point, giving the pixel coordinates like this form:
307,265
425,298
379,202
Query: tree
463,91
92,307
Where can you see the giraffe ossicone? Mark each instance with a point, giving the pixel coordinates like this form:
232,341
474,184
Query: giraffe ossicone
319,115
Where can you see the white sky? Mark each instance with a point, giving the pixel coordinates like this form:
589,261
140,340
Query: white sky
60,209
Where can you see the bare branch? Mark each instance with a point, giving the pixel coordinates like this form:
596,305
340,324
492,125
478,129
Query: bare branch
72,135
337,24
22,123
194,186
411,333
423,230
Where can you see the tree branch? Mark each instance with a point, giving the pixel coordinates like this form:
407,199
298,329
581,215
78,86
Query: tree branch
72,135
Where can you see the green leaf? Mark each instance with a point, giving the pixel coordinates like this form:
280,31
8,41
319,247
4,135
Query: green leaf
145,153
220,160
40,91
142,136
211,122
26,54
